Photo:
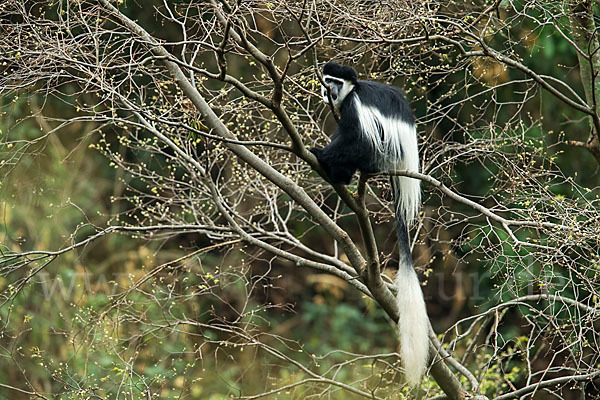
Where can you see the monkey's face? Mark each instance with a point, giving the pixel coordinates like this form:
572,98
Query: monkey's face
338,88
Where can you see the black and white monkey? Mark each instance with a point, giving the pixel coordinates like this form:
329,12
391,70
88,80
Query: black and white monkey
376,133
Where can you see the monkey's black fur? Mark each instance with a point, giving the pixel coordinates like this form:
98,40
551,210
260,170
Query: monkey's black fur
377,133
340,71
349,150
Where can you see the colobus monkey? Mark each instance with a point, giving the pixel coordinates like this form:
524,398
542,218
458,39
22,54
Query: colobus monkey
376,133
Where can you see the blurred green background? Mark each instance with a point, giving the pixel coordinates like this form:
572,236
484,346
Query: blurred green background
62,185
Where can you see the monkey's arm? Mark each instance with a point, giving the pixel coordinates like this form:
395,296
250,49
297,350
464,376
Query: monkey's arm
339,159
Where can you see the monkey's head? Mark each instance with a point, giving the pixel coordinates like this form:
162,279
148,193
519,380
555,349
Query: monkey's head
341,81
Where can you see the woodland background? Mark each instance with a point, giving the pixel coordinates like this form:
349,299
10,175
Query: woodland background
139,255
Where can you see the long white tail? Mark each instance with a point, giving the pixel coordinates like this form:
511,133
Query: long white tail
395,144
413,323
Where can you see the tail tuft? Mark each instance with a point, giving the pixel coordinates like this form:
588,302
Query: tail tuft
413,325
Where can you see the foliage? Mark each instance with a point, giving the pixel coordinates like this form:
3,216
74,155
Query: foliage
167,234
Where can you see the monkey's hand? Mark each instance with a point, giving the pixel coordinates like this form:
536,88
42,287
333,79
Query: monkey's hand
319,154
337,174
316,151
